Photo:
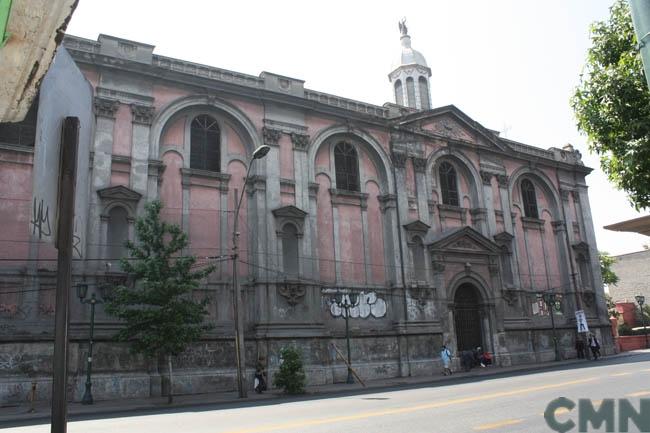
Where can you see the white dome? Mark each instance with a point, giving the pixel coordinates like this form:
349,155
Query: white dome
409,56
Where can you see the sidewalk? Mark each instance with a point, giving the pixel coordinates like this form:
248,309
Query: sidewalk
19,414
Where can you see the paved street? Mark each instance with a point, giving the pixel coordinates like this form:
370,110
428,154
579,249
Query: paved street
506,404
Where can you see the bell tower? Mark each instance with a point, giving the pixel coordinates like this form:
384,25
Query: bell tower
410,75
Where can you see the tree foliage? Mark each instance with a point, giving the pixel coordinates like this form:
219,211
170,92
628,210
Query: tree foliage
160,316
291,375
612,105
606,262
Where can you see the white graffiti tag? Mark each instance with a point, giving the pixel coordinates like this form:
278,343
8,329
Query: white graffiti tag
368,304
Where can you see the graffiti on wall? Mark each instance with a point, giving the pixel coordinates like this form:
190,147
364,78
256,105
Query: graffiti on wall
368,304
40,221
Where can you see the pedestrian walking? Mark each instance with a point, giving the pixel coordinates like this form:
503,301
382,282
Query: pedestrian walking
260,376
445,356
594,345
580,348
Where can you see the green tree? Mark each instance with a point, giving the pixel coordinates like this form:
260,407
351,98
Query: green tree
612,105
291,375
606,262
160,316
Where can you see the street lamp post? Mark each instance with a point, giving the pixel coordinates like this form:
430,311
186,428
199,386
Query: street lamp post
346,302
240,353
550,300
640,299
82,291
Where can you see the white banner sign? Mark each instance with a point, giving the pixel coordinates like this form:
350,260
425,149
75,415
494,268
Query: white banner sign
581,321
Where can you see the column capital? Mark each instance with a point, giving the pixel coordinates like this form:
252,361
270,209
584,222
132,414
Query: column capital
486,177
142,114
399,159
105,107
419,164
271,136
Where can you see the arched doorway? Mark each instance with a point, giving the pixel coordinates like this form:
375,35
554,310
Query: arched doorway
467,319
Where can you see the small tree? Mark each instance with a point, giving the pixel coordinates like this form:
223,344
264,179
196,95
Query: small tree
606,262
161,317
291,376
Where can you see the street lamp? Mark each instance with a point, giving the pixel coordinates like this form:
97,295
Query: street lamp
346,302
82,291
640,299
550,300
240,354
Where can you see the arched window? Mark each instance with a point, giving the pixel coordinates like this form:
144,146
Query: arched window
117,234
529,198
419,267
448,184
346,163
424,93
399,96
585,275
290,249
410,91
205,143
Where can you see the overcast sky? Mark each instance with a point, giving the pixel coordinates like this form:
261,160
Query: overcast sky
510,65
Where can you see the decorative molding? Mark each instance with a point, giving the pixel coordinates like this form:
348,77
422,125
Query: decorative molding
419,164
313,189
119,192
285,127
289,211
124,97
532,223
271,136
387,201
486,176
293,292
422,295
558,226
205,178
255,183
142,114
503,180
438,266
588,297
343,197
300,141
105,107
510,296
399,159
417,226
565,194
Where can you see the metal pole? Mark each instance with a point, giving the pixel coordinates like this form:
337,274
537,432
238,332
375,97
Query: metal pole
68,174
240,352
347,337
645,330
557,351
88,396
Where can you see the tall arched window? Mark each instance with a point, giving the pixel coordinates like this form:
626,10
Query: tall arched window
424,93
346,163
529,199
419,267
205,143
399,96
117,234
448,184
290,249
410,91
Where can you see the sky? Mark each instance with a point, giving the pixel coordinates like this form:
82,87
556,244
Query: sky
511,65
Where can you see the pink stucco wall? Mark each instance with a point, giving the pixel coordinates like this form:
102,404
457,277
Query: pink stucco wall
238,172
351,244
15,204
174,133
325,229
205,217
163,95
170,189
286,157
122,131
375,235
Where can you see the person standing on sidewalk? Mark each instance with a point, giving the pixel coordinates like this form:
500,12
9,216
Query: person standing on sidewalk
445,356
594,345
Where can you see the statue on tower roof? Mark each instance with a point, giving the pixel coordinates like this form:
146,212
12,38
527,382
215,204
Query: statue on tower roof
402,27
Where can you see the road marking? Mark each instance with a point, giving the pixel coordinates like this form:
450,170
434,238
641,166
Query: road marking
638,394
365,415
498,424
620,374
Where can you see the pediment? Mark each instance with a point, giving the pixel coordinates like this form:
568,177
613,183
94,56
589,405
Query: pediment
581,247
452,123
464,240
417,226
289,211
503,237
119,192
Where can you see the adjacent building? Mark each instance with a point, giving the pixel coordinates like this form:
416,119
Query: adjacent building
446,231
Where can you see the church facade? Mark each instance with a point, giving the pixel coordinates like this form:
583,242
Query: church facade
437,229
